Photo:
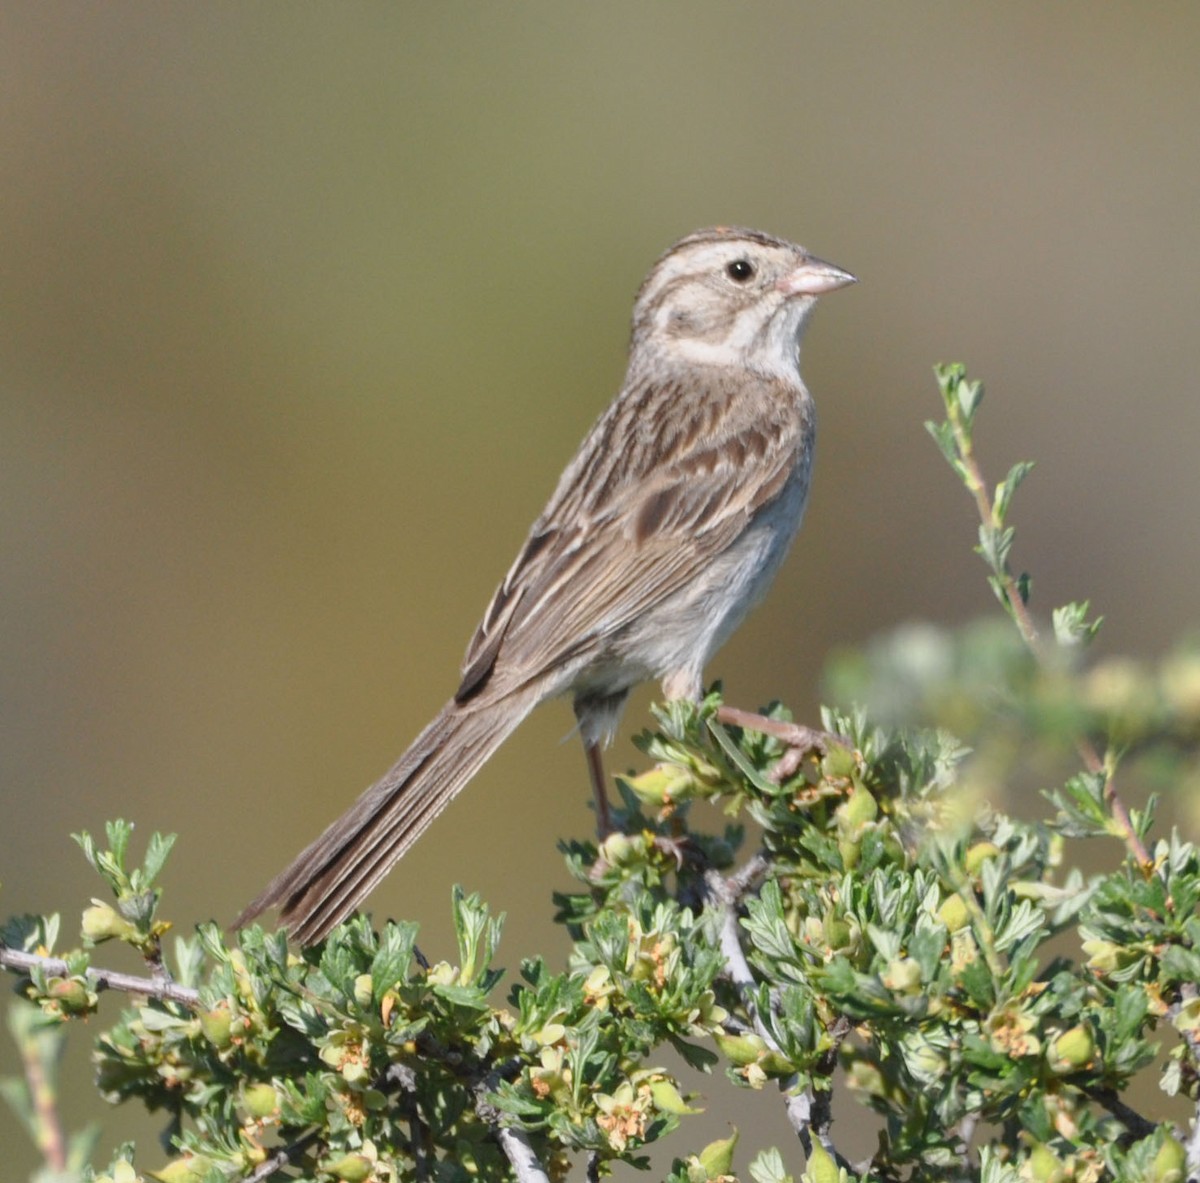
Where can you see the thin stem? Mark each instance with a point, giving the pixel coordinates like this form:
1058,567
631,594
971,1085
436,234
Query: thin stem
102,979
513,1141
1193,1146
1138,1126
979,921
1188,993
736,965
809,1113
283,1157
404,1079
47,1127
520,1154
977,486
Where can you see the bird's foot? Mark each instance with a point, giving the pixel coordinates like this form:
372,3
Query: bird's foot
800,740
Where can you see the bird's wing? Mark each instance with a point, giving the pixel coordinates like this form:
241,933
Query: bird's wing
629,526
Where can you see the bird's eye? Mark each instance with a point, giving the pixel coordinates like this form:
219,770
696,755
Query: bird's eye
740,270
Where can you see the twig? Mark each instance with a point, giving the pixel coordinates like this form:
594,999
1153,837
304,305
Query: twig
47,1126
750,877
517,1149
283,1157
512,1140
405,1080
163,989
1193,1148
1188,993
1138,1126
722,892
808,1112
966,1130
976,485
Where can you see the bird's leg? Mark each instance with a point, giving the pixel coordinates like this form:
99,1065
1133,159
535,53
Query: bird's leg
800,739
676,848
598,715
595,762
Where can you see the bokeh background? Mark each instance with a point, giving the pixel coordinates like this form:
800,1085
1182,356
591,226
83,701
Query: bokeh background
305,307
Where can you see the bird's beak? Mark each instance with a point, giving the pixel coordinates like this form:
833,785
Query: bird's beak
814,277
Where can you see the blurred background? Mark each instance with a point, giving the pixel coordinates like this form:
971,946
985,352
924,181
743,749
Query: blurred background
304,309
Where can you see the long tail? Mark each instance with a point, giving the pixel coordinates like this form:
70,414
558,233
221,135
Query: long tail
331,877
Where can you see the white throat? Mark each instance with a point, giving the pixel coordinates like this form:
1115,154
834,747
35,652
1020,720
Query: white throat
771,349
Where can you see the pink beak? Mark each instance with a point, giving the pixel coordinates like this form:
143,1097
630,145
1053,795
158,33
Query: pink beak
814,277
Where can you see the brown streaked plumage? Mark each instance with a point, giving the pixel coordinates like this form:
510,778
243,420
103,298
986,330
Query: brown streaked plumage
664,530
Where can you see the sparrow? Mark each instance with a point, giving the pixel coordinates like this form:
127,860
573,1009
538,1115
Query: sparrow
664,531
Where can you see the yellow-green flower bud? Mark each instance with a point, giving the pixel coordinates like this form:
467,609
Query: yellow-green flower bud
740,1049
851,851
260,1100
838,934
217,1026
71,995
979,854
351,1168
662,784
1044,1165
717,1157
551,1033
822,1168
1072,1050
442,974
954,913
1104,957
617,848
190,1168
668,1099
902,976
1169,1164
102,922
839,762
860,808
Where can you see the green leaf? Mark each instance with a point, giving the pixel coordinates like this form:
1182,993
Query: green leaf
999,587
87,845
1071,625
969,395
1023,921
1083,812
1181,965
478,935
995,544
766,925
943,436
767,1167
393,957
469,996
157,850
118,832
740,761
1006,488
1130,1008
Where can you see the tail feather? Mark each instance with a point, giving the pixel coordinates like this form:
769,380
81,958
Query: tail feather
334,874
